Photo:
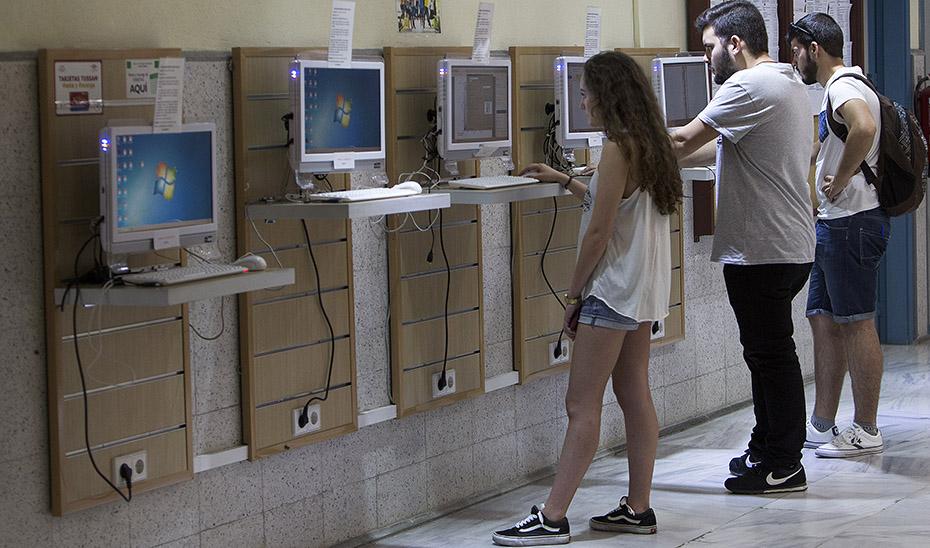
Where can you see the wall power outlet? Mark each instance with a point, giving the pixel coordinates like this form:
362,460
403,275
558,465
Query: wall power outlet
450,384
138,461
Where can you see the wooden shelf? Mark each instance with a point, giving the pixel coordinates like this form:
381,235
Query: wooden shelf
179,293
467,196
347,210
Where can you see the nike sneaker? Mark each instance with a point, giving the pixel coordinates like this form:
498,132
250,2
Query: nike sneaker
623,519
743,463
534,530
762,480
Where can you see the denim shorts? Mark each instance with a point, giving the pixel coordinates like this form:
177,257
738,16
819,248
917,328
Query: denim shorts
596,313
844,279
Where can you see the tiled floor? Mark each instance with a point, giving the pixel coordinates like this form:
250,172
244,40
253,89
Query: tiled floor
876,499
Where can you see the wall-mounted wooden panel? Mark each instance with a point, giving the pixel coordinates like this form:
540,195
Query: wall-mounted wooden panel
127,346
418,286
284,340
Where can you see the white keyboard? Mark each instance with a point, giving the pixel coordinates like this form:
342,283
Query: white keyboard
181,274
361,194
490,183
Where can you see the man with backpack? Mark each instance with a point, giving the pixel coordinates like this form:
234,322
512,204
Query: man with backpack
852,234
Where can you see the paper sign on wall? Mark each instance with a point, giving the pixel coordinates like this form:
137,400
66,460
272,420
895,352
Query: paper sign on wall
342,25
169,97
78,86
592,31
141,78
481,51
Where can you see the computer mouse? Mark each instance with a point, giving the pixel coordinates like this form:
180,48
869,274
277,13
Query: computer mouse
409,185
252,262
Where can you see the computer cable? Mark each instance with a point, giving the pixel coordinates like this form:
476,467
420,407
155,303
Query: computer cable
74,284
445,314
304,419
557,353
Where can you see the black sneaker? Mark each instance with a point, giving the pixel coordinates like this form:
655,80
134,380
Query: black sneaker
623,519
742,464
534,530
761,480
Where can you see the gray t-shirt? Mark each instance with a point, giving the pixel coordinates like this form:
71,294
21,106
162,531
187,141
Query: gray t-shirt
764,210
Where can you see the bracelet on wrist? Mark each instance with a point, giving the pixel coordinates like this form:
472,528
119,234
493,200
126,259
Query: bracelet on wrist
568,182
572,301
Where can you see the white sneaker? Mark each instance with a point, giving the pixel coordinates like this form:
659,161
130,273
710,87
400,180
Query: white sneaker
852,442
815,438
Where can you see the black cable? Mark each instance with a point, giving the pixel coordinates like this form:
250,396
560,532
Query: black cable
222,324
304,419
542,265
75,284
445,314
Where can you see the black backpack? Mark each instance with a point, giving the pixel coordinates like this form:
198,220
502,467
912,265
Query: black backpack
902,154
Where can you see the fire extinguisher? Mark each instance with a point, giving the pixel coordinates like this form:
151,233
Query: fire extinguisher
922,104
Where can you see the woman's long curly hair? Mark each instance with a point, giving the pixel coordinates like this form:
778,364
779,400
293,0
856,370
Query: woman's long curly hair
624,101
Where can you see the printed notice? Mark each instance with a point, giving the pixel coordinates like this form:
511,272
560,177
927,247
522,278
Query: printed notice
592,31
481,51
169,97
78,87
340,33
141,78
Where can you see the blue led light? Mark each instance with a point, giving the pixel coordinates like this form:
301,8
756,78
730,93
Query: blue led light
294,74
104,144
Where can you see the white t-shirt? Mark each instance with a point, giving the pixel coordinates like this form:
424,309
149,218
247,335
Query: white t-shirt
859,195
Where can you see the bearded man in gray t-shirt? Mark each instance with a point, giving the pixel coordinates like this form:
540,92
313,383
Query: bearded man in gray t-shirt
765,228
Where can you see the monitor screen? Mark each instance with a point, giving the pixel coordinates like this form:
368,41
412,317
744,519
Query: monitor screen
342,110
480,110
163,180
685,91
578,121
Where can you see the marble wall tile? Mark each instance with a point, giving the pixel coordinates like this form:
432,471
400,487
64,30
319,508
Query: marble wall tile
450,428
451,477
498,359
217,430
23,400
25,504
495,413
374,450
102,526
402,494
291,476
229,494
349,511
165,515
295,525
541,400
245,533
495,462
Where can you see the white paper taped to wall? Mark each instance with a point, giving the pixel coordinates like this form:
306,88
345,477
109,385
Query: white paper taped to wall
169,96
481,50
592,31
342,25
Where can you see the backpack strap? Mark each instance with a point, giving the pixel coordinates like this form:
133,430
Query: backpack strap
841,131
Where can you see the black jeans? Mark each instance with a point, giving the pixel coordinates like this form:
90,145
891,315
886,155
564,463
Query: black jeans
761,296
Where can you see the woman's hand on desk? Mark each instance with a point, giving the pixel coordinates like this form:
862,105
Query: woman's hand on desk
544,174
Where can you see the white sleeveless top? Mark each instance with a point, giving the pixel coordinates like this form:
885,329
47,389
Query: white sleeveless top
633,276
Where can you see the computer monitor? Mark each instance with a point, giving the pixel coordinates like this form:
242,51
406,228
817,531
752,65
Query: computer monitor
573,126
682,86
474,109
158,190
338,121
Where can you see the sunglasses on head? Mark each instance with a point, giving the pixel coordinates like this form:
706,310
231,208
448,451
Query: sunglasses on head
802,30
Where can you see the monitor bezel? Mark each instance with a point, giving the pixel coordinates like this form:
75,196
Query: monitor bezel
658,75
329,162
566,138
457,150
116,242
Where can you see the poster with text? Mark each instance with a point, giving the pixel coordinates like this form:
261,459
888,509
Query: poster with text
78,88
418,16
